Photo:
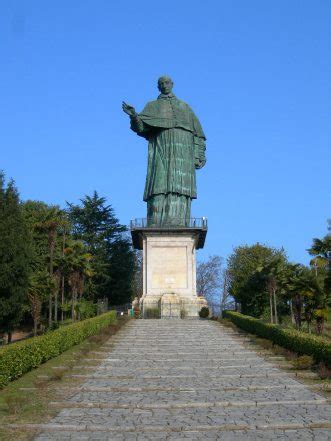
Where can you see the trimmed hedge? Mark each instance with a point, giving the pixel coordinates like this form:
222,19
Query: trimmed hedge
21,357
304,344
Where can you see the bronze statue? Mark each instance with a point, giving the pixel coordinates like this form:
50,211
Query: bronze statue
176,147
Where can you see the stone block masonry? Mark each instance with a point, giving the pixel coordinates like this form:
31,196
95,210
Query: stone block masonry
183,379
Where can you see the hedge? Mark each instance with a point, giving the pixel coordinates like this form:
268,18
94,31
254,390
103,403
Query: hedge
304,344
21,357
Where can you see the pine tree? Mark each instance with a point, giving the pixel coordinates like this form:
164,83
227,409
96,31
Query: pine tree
15,252
106,239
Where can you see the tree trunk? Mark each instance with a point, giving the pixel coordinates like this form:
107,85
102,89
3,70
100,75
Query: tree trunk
270,303
35,327
79,300
292,315
10,336
51,241
275,306
62,299
73,304
50,305
319,326
55,305
223,294
62,280
297,311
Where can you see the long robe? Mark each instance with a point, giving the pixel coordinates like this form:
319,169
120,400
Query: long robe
176,146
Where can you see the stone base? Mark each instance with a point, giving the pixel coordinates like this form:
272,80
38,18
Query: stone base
171,305
190,307
169,272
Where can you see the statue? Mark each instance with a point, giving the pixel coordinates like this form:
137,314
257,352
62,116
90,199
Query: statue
176,147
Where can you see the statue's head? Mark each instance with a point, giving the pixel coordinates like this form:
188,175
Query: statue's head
165,85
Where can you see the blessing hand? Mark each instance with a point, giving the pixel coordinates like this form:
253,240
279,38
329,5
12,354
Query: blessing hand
129,110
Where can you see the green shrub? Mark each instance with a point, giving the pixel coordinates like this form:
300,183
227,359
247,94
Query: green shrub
303,344
266,344
204,312
303,362
86,309
152,313
19,358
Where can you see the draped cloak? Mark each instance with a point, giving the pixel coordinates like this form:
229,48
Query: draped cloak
176,146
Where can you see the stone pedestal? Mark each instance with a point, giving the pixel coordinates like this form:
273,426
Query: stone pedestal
170,306
169,269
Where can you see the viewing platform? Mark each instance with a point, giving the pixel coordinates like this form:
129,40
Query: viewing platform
197,225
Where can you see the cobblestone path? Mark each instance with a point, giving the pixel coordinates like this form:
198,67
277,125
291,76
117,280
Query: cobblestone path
187,379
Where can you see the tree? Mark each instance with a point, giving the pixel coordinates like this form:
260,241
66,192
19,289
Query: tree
121,270
45,223
106,240
321,262
209,279
40,285
51,220
75,264
137,280
247,286
226,300
15,254
306,294
273,272
320,249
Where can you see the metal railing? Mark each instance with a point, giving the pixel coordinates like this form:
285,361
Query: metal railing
194,222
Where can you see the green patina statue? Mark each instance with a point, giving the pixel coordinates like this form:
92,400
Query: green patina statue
176,147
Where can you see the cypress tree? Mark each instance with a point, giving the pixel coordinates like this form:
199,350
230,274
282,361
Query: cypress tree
14,258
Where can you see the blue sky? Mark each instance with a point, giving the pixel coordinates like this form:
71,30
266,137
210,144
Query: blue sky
257,73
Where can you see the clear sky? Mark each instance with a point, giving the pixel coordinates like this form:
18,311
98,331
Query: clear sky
257,73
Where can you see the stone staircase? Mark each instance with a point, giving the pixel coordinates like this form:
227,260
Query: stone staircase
186,379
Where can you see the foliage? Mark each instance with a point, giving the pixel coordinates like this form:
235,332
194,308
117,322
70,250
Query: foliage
247,286
85,252
137,280
86,309
304,344
204,312
75,265
47,225
21,357
15,255
95,224
34,212
152,313
40,285
321,262
303,362
273,273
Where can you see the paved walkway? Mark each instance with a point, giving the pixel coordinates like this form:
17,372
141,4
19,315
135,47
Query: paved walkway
187,379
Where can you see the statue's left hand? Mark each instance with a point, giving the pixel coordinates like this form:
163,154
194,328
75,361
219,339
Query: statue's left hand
129,110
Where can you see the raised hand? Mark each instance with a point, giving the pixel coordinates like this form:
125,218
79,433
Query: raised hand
129,110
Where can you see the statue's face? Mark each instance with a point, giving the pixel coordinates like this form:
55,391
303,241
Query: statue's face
165,85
